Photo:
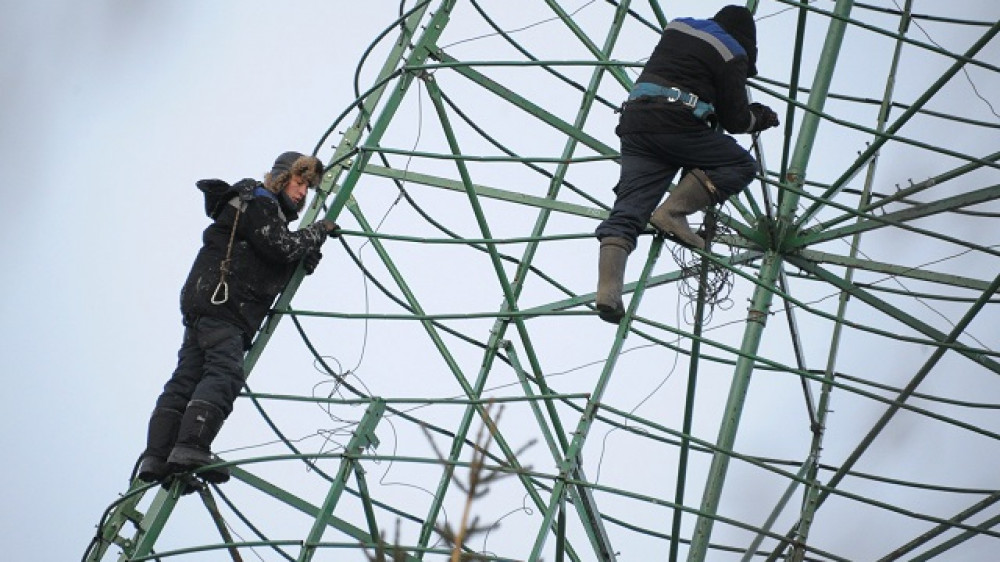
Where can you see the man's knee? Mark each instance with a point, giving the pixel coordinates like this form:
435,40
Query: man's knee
747,170
172,401
731,180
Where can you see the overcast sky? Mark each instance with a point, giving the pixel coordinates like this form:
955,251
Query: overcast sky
111,110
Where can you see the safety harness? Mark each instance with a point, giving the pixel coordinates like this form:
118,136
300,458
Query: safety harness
221,293
702,110
240,204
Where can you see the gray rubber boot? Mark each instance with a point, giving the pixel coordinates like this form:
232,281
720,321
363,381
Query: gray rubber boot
690,195
193,450
610,278
160,437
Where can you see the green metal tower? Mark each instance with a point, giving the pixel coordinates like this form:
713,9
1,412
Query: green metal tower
820,385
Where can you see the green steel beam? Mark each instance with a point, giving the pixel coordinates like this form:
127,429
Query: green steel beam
947,545
305,507
913,189
152,523
874,147
555,448
909,320
524,104
793,90
800,477
942,528
573,453
764,292
220,523
759,311
363,437
339,163
366,501
812,491
906,271
123,512
899,218
488,192
931,182
688,421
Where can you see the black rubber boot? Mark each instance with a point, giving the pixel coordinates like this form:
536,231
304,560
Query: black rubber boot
163,426
610,278
193,449
691,194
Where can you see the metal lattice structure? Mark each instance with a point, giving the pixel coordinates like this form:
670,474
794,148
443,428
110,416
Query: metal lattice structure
843,320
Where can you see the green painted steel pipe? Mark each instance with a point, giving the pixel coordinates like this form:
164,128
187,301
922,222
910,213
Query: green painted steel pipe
764,292
938,84
363,437
593,404
811,493
692,385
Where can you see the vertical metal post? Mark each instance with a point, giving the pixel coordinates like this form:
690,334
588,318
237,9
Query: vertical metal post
769,272
682,461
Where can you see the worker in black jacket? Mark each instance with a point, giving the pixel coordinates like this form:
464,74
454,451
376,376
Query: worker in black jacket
247,257
693,84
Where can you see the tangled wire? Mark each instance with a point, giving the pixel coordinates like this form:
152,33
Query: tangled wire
718,282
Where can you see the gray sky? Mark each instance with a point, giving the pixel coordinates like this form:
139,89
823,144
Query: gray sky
110,111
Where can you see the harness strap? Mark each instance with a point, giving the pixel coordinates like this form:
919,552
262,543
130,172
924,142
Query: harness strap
221,293
701,109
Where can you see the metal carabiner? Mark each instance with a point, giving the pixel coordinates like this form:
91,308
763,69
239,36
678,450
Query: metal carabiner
224,287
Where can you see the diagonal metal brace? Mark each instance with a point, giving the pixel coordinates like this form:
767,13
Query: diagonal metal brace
364,437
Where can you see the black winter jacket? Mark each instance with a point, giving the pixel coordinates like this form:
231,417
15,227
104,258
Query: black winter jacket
264,256
700,57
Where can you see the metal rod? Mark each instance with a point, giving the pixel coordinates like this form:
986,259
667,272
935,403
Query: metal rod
220,523
811,493
682,461
593,404
763,294
903,119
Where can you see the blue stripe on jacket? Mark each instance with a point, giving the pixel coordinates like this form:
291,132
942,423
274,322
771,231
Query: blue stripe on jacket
711,33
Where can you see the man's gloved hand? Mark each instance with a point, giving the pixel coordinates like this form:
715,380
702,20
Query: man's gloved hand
310,261
763,117
330,227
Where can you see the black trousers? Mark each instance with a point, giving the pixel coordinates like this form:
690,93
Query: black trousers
209,366
649,163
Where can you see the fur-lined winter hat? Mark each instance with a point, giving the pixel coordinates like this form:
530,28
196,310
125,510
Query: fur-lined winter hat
738,22
291,163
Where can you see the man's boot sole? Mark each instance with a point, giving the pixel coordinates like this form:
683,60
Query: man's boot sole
153,469
610,314
185,459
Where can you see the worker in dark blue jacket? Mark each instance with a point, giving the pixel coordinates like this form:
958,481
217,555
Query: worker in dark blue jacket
693,85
